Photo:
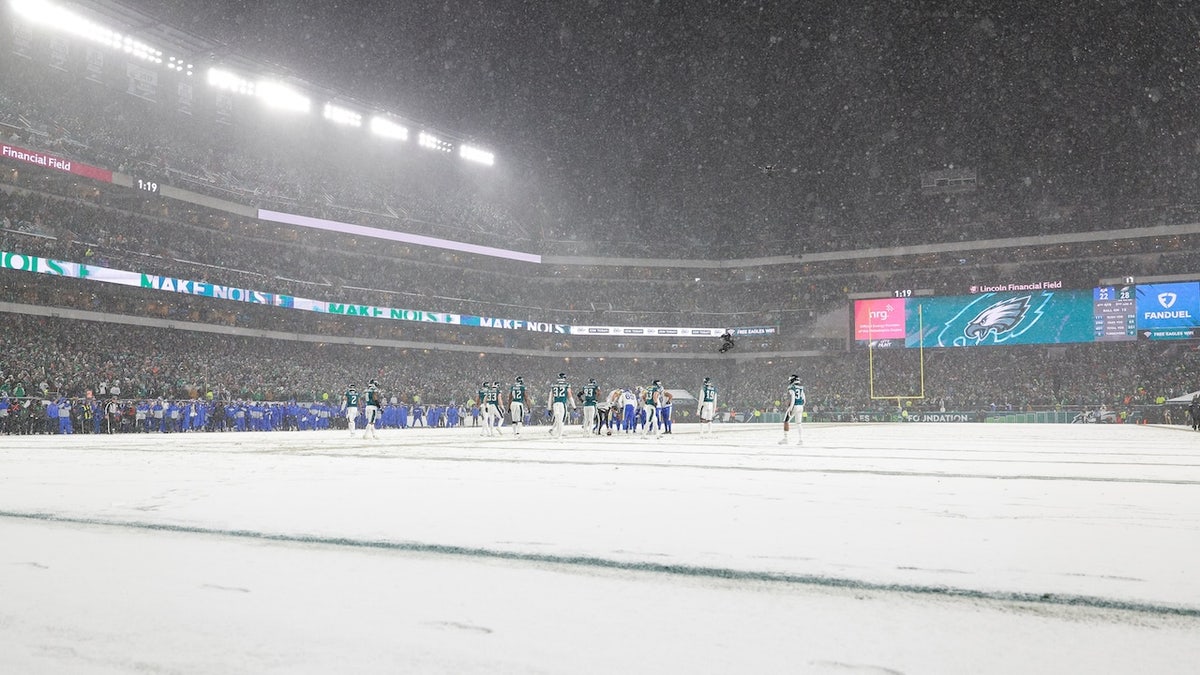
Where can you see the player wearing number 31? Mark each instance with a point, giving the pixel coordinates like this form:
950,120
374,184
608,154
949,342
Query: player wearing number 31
795,410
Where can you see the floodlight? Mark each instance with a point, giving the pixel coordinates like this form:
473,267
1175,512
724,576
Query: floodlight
472,154
382,126
279,95
340,115
179,65
64,20
427,140
223,79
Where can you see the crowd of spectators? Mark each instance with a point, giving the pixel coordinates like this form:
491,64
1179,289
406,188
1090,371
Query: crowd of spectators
49,358
212,247
328,176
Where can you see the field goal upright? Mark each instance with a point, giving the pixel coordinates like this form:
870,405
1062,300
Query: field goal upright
898,398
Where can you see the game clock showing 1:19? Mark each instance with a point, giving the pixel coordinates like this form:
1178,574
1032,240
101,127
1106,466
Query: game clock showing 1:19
144,185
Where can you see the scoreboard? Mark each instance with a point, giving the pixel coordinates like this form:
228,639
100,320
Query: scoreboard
1114,311
1042,315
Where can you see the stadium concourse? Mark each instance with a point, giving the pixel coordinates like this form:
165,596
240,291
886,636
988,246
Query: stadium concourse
880,548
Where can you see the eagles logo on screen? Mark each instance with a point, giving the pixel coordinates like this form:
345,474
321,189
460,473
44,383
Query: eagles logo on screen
1000,318
1003,320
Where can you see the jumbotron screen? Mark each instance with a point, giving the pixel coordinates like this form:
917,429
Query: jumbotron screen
1167,311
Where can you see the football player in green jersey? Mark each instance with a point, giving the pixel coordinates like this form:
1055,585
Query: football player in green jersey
556,404
707,405
795,410
351,407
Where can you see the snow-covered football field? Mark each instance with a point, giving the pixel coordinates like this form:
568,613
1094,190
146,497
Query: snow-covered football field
871,549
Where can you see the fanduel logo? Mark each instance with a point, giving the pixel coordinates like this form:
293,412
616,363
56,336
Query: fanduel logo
1177,314
1167,300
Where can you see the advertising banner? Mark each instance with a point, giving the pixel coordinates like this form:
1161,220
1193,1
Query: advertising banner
93,65
38,265
51,162
880,319
183,98
1168,311
750,331
141,82
59,53
665,331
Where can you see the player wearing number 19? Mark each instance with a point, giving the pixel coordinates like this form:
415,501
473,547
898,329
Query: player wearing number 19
556,404
707,405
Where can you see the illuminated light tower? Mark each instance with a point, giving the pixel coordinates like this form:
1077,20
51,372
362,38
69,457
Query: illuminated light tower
281,97
382,126
56,18
344,116
473,154
428,140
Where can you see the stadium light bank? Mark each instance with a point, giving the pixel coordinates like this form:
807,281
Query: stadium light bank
61,19
269,92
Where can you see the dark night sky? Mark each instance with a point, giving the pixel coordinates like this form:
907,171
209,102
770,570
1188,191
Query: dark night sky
635,108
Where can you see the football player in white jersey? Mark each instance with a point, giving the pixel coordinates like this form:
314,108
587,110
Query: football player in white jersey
629,402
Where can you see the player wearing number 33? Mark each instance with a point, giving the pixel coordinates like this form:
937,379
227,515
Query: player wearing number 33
795,410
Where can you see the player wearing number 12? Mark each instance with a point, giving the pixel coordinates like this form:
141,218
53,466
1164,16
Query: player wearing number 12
517,404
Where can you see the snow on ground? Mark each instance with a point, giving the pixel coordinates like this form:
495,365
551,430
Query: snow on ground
972,548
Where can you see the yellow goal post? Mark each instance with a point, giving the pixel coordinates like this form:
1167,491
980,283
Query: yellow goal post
898,398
